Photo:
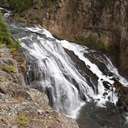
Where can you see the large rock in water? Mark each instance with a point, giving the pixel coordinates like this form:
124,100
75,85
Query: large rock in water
21,106
99,23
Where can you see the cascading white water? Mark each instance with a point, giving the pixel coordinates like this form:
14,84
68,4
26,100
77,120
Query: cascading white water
54,70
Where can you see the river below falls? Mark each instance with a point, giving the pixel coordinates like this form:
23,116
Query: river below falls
92,116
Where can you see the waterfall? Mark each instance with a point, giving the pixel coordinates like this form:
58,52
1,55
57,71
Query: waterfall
71,74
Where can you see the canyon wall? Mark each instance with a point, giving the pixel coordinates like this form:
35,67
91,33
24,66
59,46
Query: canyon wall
101,24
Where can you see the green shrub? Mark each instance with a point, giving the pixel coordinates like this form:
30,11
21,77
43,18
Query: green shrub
105,3
93,42
20,5
3,79
8,68
5,35
23,120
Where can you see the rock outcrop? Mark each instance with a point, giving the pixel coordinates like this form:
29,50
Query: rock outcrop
101,24
21,106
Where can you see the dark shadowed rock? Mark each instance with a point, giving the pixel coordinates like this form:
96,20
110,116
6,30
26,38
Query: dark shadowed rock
122,92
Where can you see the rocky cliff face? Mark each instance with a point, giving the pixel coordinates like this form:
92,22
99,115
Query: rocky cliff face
20,105
88,20
99,23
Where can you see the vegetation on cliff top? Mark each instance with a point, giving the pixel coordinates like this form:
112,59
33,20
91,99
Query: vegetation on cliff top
20,5
5,36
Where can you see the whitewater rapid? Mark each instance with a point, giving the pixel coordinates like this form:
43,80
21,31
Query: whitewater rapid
51,67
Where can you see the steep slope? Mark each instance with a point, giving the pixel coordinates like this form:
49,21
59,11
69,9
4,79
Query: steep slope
21,106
